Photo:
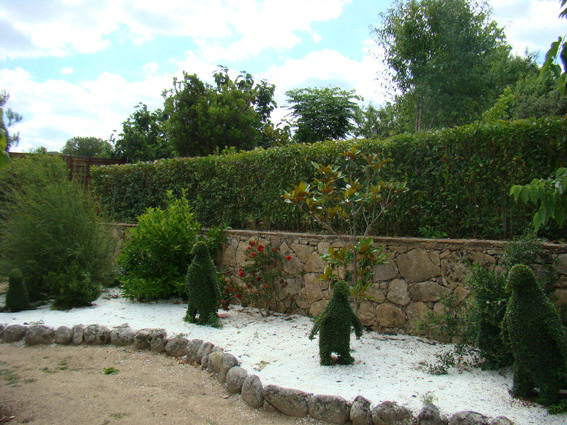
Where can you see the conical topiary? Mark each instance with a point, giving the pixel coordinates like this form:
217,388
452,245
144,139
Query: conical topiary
537,339
17,298
334,327
202,288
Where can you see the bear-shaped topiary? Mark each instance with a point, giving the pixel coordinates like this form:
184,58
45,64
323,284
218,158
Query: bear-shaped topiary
537,339
334,327
202,288
17,298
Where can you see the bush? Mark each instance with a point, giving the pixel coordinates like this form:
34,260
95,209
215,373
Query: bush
72,287
48,226
154,259
17,298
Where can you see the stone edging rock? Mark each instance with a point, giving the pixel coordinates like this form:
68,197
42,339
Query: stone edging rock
226,368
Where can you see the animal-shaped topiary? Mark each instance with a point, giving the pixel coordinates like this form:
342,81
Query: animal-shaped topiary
202,288
334,327
17,298
537,339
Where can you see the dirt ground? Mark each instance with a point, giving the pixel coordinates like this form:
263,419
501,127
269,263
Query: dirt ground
110,385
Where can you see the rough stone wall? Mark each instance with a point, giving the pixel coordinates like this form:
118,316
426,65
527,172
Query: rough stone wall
419,274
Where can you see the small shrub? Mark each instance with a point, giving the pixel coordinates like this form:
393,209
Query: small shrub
264,275
451,325
202,289
537,339
17,298
72,288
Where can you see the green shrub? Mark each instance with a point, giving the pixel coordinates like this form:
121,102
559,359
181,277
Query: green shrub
202,288
452,324
17,298
489,305
72,287
334,326
154,259
537,339
47,227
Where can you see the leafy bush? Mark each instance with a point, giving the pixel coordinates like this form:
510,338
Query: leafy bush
17,298
48,226
154,259
458,180
72,287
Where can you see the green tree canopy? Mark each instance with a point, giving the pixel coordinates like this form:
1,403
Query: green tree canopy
203,118
322,113
449,60
143,136
87,146
8,119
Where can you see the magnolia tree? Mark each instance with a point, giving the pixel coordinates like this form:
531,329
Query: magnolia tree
348,201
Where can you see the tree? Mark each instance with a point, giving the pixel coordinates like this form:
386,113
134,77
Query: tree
441,53
558,51
143,136
203,118
8,119
91,147
376,123
322,113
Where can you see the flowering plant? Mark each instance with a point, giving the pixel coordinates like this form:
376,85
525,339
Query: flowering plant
230,290
264,274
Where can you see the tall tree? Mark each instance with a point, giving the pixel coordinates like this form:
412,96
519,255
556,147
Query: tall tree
441,53
143,136
556,53
9,118
322,113
203,118
87,146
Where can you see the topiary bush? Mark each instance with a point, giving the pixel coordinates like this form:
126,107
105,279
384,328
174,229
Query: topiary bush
334,326
17,298
45,228
202,289
537,339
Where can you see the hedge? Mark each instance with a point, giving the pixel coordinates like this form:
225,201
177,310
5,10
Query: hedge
458,179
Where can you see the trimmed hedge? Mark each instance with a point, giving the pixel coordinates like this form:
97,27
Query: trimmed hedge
458,179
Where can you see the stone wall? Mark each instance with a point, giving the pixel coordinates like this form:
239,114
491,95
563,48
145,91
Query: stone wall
419,274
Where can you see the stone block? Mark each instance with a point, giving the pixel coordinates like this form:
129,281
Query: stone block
398,292
390,316
427,292
329,408
416,266
290,402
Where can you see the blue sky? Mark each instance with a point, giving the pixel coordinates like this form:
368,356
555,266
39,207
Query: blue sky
79,67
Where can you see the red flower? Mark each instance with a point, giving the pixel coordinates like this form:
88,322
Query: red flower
266,286
252,243
254,254
240,272
258,278
248,248
288,257
238,296
260,248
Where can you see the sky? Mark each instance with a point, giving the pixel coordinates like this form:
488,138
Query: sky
79,67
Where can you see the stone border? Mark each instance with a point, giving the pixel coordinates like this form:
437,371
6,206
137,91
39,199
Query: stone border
226,368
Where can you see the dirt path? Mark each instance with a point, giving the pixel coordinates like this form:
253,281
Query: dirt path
68,385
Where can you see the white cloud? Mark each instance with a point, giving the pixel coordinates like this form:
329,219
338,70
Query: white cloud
57,28
529,24
57,110
67,71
